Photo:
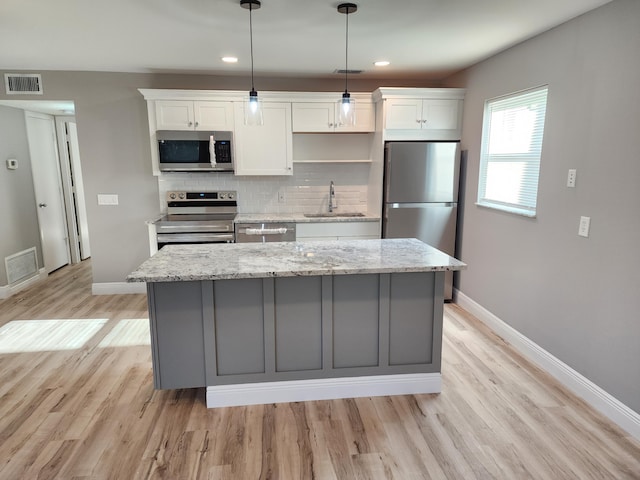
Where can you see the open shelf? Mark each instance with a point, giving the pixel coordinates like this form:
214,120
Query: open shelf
332,148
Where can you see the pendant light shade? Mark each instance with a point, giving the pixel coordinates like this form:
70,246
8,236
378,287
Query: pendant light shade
346,105
253,106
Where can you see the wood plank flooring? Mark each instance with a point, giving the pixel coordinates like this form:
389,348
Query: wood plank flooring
78,403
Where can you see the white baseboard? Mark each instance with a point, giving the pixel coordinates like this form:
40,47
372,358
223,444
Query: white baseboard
8,290
322,389
117,288
595,396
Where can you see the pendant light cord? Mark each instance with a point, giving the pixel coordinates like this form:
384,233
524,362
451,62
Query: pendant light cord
251,42
346,54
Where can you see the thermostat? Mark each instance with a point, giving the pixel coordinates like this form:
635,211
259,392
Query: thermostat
12,164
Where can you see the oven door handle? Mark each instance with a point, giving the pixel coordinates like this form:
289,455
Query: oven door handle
195,237
194,228
266,231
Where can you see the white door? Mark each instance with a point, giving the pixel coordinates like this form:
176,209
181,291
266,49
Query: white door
48,190
78,190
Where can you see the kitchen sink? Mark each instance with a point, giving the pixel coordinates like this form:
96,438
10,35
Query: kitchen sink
333,214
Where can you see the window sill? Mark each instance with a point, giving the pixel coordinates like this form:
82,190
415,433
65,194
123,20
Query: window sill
514,211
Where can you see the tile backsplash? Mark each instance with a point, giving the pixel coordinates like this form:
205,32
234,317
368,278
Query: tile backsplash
306,191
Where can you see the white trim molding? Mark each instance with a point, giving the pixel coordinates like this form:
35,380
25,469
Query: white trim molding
322,389
599,399
7,291
118,288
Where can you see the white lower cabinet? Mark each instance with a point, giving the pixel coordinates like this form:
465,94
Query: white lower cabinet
337,231
265,149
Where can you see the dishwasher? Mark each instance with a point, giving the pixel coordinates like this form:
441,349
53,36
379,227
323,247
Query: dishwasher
265,232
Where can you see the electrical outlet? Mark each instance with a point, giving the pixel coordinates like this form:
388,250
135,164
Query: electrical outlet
107,199
281,197
583,229
571,178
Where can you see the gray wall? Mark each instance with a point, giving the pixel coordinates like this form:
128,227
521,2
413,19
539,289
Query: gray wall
113,133
576,297
18,217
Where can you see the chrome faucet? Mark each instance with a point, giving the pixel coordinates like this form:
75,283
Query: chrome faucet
332,197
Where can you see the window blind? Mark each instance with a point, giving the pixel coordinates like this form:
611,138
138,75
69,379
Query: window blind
512,135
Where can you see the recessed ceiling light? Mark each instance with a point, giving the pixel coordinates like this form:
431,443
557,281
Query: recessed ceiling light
230,59
381,63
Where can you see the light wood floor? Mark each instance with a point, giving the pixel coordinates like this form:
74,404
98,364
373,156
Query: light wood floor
77,402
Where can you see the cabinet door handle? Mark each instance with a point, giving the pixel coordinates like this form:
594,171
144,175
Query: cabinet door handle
197,124
190,124
424,121
331,124
418,121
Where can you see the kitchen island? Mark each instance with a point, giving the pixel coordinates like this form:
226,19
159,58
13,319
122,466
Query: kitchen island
292,321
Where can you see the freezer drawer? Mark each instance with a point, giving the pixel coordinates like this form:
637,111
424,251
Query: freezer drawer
434,224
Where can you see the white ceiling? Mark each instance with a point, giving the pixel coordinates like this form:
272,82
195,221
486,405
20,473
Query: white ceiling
421,38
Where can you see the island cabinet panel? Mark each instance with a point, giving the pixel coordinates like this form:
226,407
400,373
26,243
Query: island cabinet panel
298,323
226,332
177,334
410,337
355,321
239,312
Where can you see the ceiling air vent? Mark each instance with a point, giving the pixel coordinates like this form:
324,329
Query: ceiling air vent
349,72
23,83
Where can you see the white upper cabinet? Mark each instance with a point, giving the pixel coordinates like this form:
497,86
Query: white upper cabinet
265,149
313,117
213,116
194,115
417,114
421,113
310,117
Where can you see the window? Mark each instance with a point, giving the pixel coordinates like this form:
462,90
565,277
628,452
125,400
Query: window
512,133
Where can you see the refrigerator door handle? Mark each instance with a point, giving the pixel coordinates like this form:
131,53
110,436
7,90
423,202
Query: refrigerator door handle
421,205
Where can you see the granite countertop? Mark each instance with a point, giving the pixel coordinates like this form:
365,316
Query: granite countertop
289,259
298,218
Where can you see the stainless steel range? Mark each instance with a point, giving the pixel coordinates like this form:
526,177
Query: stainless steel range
198,217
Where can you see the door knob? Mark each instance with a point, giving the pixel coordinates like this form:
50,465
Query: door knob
42,205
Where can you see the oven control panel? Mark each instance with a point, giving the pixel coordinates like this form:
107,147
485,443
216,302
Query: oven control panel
173,197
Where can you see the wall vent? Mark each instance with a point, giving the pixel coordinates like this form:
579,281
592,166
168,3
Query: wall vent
23,83
21,266
350,72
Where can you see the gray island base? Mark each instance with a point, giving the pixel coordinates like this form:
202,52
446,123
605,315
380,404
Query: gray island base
295,321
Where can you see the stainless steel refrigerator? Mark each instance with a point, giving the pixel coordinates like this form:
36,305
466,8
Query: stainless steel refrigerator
421,195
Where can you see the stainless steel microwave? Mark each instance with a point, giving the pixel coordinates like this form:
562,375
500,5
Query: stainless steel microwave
195,151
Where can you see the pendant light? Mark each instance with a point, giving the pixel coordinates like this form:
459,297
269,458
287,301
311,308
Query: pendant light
252,107
346,105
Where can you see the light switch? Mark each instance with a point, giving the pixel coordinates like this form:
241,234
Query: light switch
583,229
107,199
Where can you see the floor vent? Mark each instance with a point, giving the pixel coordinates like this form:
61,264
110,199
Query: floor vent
21,266
23,83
